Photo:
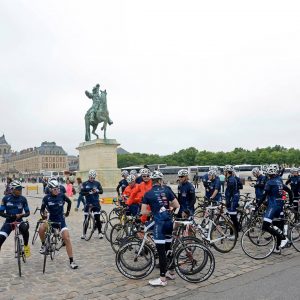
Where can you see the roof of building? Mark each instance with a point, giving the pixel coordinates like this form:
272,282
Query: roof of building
50,148
120,150
3,140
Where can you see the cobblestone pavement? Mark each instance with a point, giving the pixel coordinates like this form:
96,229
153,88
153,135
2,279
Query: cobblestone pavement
97,276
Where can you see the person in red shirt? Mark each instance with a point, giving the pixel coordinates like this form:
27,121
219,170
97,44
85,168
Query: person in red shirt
139,191
134,208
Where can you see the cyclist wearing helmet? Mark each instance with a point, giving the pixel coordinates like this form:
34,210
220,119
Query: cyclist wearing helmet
232,195
214,186
273,192
61,187
91,190
160,199
127,192
123,183
186,193
260,183
294,182
54,203
13,208
138,177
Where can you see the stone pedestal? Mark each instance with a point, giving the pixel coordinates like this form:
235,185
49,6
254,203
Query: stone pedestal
101,156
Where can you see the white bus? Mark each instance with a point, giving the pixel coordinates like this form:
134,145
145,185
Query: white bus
245,171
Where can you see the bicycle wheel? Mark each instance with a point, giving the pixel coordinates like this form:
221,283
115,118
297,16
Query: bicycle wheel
47,249
53,243
36,232
89,226
223,235
109,225
117,235
103,219
134,262
191,268
18,253
257,244
295,237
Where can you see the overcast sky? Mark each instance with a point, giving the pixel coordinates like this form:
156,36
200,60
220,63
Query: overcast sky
210,74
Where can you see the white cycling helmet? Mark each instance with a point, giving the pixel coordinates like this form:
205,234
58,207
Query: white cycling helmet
145,171
53,184
92,173
272,170
183,172
228,168
264,168
16,184
130,178
157,175
133,172
124,173
255,171
212,172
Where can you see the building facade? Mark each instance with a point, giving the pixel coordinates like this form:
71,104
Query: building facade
35,161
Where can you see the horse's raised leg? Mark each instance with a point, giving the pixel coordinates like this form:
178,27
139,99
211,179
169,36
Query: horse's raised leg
94,131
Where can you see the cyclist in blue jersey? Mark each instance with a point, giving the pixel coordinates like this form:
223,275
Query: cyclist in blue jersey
91,190
160,200
214,186
61,187
186,193
294,182
123,183
14,207
260,183
54,203
232,195
273,192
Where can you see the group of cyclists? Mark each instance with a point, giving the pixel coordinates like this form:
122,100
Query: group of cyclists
14,207
146,194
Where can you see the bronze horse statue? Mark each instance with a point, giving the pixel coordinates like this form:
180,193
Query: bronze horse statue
98,113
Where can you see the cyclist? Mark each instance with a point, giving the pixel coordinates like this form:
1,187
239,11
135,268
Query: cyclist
160,199
127,192
214,185
123,183
138,176
186,193
91,190
61,187
12,207
232,195
294,182
260,183
206,181
54,203
273,192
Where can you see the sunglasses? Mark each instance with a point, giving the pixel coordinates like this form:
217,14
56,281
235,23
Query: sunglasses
145,176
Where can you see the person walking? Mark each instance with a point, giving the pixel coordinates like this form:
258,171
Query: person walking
80,197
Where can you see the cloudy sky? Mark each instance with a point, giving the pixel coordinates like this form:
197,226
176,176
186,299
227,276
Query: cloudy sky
210,74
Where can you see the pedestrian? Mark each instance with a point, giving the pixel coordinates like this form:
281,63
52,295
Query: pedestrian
69,189
80,196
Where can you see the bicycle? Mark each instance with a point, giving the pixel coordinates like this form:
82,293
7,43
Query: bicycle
37,227
52,238
19,245
259,244
89,224
192,260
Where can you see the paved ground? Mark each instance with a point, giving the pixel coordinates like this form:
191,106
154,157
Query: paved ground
97,276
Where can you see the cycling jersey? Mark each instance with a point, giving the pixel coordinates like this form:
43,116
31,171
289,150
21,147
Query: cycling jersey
215,184
91,198
232,194
294,181
12,205
122,184
186,197
139,191
260,186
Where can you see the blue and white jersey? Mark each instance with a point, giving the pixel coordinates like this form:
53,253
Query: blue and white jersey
86,190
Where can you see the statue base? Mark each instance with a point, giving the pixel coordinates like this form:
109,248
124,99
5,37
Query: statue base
101,156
